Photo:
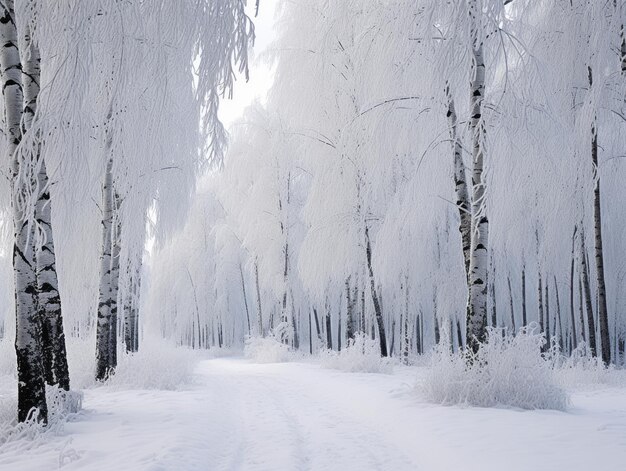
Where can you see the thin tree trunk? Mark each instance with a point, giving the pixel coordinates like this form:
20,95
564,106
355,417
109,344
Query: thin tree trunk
317,325
571,291
115,278
587,291
377,307
547,316
540,305
339,326
603,316
418,337
524,315
477,299
508,279
460,184
558,315
258,299
494,318
131,308
363,323
294,324
435,318
406,338
103,326
310,334
329,333
127,308
580,307
349,311
135,310
421,332
245,298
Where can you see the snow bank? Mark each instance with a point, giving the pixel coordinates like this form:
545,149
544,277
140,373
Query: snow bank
361,355
507,371
266,350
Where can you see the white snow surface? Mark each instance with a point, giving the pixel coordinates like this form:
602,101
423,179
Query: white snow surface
239,415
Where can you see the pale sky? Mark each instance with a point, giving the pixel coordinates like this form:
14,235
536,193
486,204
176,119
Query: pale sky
261,75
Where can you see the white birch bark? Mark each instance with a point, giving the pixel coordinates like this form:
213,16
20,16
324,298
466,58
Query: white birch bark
460,184
48,298
603,316
258,299
30,374
130,307
103,323
114,284
584,269
477,300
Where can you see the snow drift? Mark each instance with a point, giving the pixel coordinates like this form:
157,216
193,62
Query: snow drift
361,355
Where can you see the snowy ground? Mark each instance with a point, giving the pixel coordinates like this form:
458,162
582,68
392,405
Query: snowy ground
299,416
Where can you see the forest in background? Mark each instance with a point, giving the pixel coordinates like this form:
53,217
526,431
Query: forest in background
407,154
419,172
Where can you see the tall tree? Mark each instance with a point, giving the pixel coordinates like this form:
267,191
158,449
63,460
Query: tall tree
479,264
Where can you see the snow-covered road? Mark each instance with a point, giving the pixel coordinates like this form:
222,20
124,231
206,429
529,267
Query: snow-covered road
298,416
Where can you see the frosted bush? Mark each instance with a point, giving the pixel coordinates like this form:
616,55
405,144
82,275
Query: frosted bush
61,404
507,371
29,434
361,355
157,365
582,369
266,350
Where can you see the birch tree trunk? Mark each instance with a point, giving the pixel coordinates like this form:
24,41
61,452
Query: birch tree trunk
406,339
127,309
317,326
587,295
258,299
540,313
477,299
30,372
48,298
459,335
460,184
349,311
603,316
115,278
524,315
131,305
245,298
508,279
103,326
558,315
382,338
580,308
571,291
547,316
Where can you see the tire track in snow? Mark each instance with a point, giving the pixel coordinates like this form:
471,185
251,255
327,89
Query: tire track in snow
286,426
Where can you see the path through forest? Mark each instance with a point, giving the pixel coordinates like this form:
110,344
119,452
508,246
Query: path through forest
299,416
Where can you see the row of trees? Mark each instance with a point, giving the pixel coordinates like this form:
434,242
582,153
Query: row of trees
102,101
418,172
